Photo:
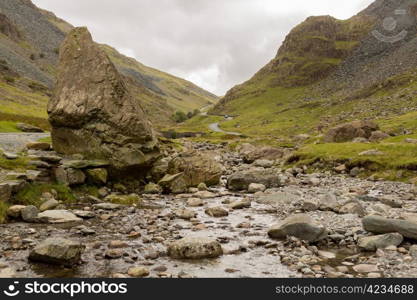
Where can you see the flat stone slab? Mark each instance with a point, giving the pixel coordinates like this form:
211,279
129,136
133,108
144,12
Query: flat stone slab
58,217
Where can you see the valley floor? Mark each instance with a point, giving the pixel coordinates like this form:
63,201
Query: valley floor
118,238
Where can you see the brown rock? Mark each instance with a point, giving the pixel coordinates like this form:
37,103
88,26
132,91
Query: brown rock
349,131
93,113
38,146
196,168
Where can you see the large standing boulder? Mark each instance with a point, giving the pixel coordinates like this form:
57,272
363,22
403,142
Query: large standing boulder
93,113
349,131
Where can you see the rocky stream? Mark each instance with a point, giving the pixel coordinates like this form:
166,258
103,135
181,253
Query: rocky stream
285,224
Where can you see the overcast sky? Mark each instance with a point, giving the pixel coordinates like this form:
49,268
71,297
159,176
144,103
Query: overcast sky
213,43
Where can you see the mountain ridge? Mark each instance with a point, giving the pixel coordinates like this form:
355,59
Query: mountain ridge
284,100
28,60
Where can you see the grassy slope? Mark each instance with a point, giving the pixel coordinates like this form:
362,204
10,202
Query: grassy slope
179,93
271,109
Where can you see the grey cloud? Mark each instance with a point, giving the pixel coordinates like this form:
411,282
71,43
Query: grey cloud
186,37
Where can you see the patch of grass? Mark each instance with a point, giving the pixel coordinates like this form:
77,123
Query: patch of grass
31,195
8,126
86,190
46,140
396,156
132,199
21,163
3,212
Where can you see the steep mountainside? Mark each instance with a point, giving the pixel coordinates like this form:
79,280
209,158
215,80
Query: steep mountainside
29,47
329,71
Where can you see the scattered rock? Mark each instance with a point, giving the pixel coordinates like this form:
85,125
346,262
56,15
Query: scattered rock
300,226
7,273
256,187
326,254
58,217
241,180
173,183
376,224
69,176
113,253
185,214
152,188
217,212
38,146
9,155
84,214
195,248
251,153
138,272
347,132
365,268
97,176
311,205
5,192
57,251
29,213
15,211
204,195
196,168
117,244
28,128
263,163
377,136
371,153
202,187
108,206
195,202
48,205
241,204
353,208
372,243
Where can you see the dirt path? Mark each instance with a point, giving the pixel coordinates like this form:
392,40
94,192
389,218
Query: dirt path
215,127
